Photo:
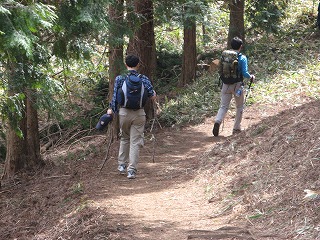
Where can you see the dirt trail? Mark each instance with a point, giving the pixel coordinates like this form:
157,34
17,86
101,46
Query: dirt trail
69,199
167,200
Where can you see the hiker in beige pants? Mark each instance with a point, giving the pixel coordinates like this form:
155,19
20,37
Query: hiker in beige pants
132,116
227,91
132,124
231,84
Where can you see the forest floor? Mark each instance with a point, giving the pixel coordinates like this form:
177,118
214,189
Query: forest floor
189,185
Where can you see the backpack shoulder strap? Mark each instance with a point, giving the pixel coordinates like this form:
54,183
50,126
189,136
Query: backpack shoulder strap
139,75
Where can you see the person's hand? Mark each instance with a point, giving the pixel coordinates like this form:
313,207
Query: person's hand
252,78
109,111
154,96
156,106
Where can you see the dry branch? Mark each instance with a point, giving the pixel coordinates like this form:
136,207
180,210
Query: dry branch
111,140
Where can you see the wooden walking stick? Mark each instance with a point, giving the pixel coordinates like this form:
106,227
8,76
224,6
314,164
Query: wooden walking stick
110,134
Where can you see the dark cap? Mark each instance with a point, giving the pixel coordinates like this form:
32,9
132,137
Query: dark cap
104,121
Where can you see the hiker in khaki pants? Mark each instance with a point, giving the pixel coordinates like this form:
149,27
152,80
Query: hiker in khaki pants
130,93
132,124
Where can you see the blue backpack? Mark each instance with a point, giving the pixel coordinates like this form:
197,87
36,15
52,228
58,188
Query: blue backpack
132,93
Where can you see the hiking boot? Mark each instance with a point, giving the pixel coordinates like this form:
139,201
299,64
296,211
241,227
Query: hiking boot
131,174
235,131
215,129
122,168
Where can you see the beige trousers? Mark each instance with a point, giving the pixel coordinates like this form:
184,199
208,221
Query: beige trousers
132,123
227,91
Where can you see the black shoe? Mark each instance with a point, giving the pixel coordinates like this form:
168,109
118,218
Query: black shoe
236,131
215,129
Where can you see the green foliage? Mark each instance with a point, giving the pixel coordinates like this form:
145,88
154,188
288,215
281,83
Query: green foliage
193,103
83,96
80,18
266,15
23,54
20,40
168,68
3,10
287,66
290,85
100,92
79,24
81,34
30,35
77,188
21,26
13,108
169,37
181,12
216,24
193,11
47,90
45,41
171,43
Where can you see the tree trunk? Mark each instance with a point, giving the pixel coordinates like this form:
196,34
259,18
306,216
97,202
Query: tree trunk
115,52
32,132
15,156
116,63
22,152
16,146
236,25
143,44
189,64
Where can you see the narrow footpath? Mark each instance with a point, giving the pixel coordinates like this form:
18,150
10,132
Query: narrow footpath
168,199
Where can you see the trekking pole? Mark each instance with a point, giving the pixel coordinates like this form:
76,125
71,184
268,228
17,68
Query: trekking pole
153,138
251,81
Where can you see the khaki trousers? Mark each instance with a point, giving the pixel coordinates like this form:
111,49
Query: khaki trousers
132,123
227,91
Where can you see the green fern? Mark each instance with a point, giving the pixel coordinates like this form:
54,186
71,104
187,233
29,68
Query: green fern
21,41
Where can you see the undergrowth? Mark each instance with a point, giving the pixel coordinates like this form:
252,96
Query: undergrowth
286,66
284,72
193,103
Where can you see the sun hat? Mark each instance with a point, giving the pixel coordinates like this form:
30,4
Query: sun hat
104,121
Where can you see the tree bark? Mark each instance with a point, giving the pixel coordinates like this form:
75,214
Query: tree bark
32,132
116,63
143,41
16,146
236,25
15,155
143,44
189,63
22,152
115,53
